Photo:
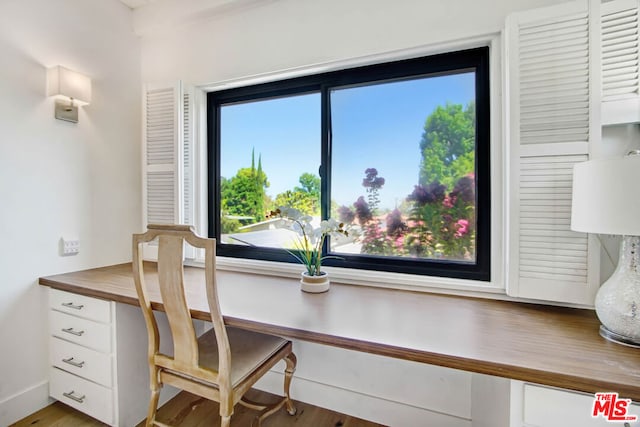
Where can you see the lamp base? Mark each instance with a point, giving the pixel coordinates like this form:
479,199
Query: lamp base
617,338
618,299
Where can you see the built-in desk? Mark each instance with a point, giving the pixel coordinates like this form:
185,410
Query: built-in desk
536,343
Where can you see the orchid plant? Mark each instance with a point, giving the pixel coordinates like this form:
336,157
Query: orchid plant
308,246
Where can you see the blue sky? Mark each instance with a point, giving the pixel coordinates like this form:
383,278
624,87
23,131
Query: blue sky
377,126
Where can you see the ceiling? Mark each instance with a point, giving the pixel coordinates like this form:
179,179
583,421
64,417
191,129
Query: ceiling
133,4
158,15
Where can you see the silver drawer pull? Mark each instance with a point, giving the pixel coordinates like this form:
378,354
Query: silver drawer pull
72,332
71,396
72,362
72,305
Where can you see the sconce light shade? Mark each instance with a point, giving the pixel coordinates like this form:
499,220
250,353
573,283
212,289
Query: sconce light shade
69,87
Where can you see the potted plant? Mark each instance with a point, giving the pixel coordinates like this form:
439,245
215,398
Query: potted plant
307,248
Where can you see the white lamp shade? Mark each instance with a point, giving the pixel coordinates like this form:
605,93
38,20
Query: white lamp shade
64,83
606,196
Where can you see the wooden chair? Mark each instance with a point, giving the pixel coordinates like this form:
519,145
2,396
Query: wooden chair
223,363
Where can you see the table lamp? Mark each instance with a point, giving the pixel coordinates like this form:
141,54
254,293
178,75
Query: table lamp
606,200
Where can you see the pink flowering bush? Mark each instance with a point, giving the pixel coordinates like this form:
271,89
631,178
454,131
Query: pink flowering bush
438,223
448,219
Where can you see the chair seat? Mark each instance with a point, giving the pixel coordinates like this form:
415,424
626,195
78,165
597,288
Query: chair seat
249,350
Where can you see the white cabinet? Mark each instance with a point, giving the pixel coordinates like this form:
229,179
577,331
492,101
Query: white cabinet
82,362
84,332
534,405
98,356
84,395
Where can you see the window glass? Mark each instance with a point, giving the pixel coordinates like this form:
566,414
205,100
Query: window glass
269,156
403,168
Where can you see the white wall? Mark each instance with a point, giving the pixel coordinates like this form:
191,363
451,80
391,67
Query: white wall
59,178
271,35
207,42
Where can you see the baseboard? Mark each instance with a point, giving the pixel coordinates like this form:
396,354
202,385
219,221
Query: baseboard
371,408
24,403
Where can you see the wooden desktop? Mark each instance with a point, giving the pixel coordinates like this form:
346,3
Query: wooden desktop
548,345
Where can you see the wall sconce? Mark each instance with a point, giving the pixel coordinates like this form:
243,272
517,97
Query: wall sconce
71,90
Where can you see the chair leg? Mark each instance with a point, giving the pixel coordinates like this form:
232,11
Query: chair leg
226,407
153,406
267,410
291,362
155,395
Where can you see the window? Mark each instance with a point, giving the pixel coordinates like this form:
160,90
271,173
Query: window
398,151
270,152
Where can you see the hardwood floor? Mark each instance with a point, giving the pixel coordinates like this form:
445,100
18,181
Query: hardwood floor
187,410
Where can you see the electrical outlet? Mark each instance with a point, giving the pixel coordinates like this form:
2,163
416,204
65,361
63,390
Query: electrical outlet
69,246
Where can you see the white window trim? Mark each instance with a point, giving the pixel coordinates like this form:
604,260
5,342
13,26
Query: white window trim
496,286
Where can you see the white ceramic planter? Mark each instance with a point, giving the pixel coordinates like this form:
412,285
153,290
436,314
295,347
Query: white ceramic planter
314,284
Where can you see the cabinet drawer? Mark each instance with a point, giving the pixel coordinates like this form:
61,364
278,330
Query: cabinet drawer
82,361
80,305
81,331
90,398
548,407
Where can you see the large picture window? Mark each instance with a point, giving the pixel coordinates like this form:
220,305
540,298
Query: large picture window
398,152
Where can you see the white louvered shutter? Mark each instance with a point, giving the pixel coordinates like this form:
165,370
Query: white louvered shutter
620,61
167,157
161,156
187,159
550,123
187,193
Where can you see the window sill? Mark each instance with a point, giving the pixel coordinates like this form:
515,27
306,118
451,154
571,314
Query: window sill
378,279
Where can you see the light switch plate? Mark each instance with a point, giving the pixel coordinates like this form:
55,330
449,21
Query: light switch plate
69,246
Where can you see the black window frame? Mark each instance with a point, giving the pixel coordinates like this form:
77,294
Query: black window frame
476,60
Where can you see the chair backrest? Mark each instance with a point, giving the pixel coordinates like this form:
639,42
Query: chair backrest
170,278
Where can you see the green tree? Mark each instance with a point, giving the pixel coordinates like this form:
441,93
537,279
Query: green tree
229,225
299,200
309,183
260,183
448,145
244,194
305,198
